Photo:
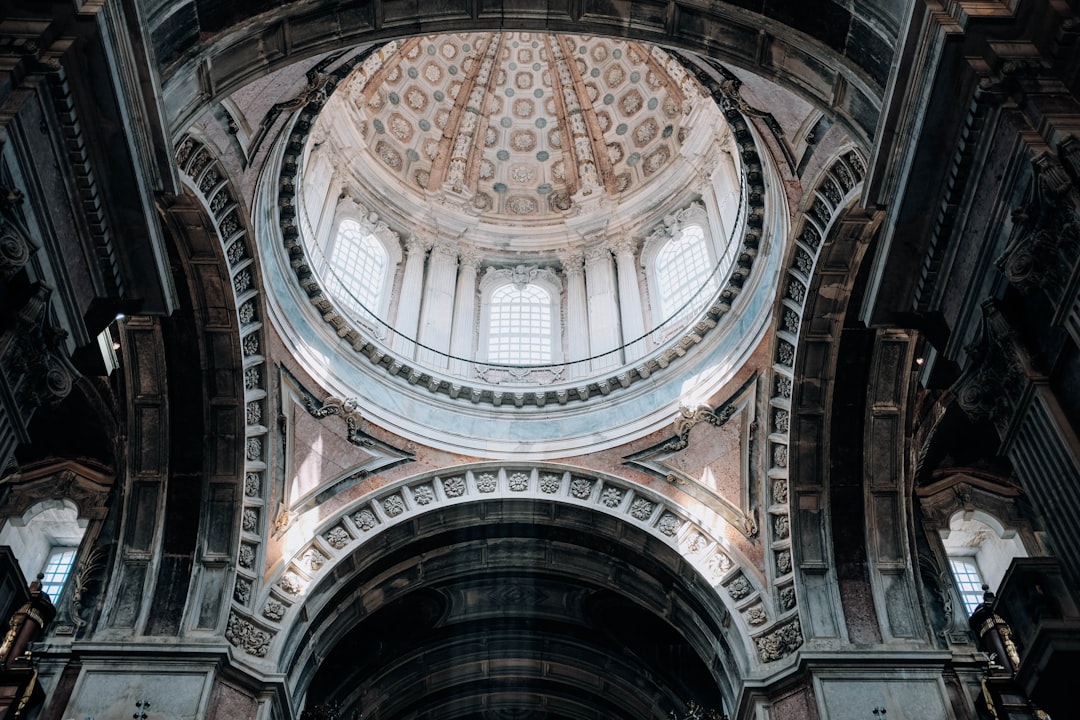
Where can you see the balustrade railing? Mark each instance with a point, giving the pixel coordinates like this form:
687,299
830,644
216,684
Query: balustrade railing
690,320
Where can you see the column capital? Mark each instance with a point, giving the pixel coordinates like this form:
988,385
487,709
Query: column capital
445,247
624,245
597,253
572,259
418,245
470,257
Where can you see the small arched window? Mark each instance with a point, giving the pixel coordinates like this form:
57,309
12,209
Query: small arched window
683,267
520,325
358,265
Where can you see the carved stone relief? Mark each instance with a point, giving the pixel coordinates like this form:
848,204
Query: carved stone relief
1044,247
991,386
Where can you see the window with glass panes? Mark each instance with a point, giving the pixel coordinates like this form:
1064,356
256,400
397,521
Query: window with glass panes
358,268
57,569
683,267
968,581
520,325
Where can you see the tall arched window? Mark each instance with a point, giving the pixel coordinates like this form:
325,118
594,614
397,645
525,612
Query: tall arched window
358,264
520,327
683,267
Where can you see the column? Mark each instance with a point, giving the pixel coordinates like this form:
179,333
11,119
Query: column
412,285
603,304
633,319
577,313
437,312
464,327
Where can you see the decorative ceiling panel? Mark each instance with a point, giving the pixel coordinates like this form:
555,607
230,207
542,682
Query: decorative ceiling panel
522,126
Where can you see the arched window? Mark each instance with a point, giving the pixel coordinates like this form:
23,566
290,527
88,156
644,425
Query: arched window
980,549
520,327
357,272
683,267
46,540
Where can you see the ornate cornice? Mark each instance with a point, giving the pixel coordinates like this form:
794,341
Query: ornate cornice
87,488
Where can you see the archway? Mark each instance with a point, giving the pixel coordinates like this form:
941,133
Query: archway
535,599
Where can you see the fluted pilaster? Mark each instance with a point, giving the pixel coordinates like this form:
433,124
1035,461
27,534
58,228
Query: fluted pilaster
603,304
464,326
630,308
410,294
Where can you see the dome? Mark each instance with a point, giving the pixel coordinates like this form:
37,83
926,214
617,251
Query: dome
527,224
520,138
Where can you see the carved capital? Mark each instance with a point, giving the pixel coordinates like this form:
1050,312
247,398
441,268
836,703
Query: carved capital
469,257
597,254
624,246
996,376
573,261
417,246
445,248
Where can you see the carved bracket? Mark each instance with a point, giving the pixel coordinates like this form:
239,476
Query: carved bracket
688,418
347,409
34,365
16,247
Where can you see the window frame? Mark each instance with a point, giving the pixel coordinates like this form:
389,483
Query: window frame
663,237
72,553
971,598
495,279
369,225
44,528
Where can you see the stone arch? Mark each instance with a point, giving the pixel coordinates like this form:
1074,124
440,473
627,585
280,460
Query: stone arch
310,597
696,535
836,192
183,468
831,236
208,181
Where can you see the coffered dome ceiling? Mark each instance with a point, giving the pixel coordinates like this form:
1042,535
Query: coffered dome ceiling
522,128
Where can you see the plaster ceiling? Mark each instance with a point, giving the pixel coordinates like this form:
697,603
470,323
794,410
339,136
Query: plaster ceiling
522,128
